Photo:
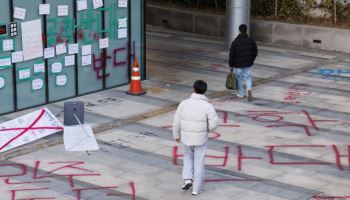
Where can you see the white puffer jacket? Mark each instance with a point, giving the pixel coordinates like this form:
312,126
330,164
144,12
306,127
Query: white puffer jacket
194,118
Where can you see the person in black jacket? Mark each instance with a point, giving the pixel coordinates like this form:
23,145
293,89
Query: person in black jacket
243,52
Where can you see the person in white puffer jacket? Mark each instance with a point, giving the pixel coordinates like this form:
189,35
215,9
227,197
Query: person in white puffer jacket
194,119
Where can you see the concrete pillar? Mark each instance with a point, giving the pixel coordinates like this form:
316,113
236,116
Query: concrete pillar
237,13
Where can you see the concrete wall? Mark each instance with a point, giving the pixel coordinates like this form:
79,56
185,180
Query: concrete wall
264,31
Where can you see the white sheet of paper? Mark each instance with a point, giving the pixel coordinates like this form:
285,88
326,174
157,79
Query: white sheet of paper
73,49
19,13
17,56
81,5
23,74
62,10
79,138
122,33
42,117
49,52
123,22
103,43
86,50
44,9
37,84
56,67
61,80
86,60
69,60
2,82
7,45
97,3
61,49
5,62
32,41
122,3
39,68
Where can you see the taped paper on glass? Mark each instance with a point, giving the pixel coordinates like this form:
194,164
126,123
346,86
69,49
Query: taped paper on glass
86,50
49,52
44,9
81,5
61,80
37,84
2,82
5,62
56,67
24,74
39,68
32,41
73,49
7,45
69,61
79,138
61,49
17,56
86,60
62,10
28,128
19,13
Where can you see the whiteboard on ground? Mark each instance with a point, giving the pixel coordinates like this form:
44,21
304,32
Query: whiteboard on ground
79,138
28,128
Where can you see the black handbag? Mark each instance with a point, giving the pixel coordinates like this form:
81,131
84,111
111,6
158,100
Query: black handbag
231,82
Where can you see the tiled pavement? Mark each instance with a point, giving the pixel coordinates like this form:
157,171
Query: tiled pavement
291,142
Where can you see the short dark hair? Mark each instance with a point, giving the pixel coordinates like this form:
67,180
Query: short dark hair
243,28
200,87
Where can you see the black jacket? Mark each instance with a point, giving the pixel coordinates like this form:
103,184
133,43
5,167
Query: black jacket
243,51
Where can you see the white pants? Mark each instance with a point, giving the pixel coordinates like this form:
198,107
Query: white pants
193,167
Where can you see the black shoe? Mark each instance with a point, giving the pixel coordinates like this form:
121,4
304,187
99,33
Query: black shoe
186,186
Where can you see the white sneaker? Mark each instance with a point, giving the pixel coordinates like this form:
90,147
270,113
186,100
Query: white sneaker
239,96
187,185
196,193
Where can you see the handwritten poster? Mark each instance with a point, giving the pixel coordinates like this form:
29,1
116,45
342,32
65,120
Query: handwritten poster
122,33
44,9
37,84
61,80
19,13
56,67
103,43
2,82
39,68
81,5
61,49
62,10
122,3
73,49
49,52
24,74
86,60
30,127
69,60
7,45
32,41
5,62
17,56
123,22
86,50
97,3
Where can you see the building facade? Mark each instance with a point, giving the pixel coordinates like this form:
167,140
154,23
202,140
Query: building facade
54,50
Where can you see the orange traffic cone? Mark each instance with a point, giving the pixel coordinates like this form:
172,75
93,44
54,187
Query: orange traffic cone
135,84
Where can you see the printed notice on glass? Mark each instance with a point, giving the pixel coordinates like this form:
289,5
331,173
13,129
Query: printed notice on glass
103,43
122,33
122,3
49,52
37,84
19,13
97,3
2,82
73,49
62,10
69,61
5,62
61,80
32,41
123,22
86,60
56,67
44,9
24,74
7,45
39,68
17,57
61,49
81,5
86,50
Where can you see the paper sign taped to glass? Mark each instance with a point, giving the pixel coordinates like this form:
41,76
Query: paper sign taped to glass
79,138
28,128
